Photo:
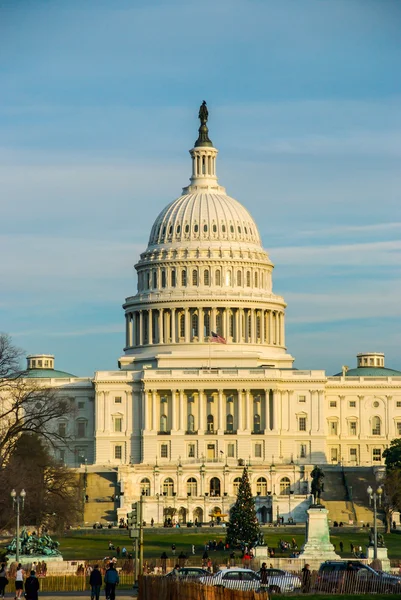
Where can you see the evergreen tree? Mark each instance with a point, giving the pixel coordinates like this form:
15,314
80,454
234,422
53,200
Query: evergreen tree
243,527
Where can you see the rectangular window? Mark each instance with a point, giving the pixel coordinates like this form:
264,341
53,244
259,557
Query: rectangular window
399,427
302,451
301,398
352,403
191,450
353,454
118,400
81,429
164,451
118,452
258,450
352,427
81,405
62,429
333,427
334,454
398,404
231,450
118,424
377,455
333,403
302,423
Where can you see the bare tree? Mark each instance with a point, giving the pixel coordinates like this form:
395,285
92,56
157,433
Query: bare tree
26,405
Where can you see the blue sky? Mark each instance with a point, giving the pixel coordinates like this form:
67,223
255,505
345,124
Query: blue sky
98,109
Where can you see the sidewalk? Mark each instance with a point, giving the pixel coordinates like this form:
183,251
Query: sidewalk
122,595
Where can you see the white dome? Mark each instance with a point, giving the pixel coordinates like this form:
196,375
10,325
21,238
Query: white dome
204,217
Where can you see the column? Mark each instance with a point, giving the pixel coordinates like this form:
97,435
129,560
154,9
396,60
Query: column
154,411
270,327
201,324
320,400
248,411
361,417
140,328
175,415
213,320
187,325
201,412
262,326
220,411
236,326
160,327
314,414
240,332
226,329
389,404
266,415
131,330
240,425
150,326
173,326
182,411
276,420
143,409
282,330
253,326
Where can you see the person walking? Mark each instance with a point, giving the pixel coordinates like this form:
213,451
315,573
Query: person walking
263,576
19,581
32,586
341,547
3,580
173,547
111,579
306,579
95,581
163,559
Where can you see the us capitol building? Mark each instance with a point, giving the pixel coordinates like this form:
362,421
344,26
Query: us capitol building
185,411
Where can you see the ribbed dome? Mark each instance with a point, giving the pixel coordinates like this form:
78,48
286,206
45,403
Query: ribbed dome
204,217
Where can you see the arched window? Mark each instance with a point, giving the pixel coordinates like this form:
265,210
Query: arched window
236,483
196,228
376,426
163,278
257,326
285,486
154,280
223,228
163,422
145,487
187,228
210,423
249,325
256,280
215,486
173,283
214,228
194,277
206,278
147,280
248,279
231,324
183,278
229,423
192,487
261,487
205,228
232,228
182,325
228,277
168,487
256,423
195,325
239,278
191,423
218,277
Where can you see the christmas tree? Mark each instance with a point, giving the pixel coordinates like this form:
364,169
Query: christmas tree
243,528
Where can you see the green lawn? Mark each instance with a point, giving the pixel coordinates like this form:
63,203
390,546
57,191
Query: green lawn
93,545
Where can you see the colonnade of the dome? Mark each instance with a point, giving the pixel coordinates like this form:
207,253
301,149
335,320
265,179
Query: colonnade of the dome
155,278
186,324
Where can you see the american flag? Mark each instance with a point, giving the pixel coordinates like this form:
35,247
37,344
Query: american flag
215,337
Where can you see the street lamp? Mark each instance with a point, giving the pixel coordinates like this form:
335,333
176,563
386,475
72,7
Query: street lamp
290,493
17,502
375,495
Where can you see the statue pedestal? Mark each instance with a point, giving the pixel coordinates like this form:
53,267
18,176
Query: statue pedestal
318,546
381,555
261,552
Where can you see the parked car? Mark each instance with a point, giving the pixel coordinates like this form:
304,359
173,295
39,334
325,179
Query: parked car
190,573
234,578
279,581
355,577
